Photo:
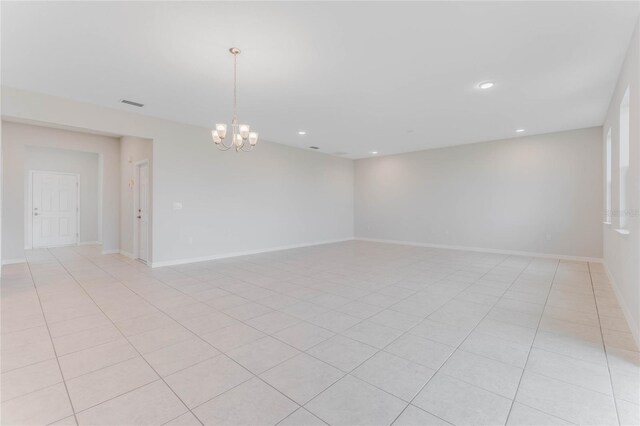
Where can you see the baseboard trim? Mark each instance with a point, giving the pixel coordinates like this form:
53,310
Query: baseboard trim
486,250
126,253
116,251
13,261
633,326
89,243
243,253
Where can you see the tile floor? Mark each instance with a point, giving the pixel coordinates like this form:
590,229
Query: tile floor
345,334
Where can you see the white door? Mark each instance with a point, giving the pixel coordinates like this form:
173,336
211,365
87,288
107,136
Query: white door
54,209
142,211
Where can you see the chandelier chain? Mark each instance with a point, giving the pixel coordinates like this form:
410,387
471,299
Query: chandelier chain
235,82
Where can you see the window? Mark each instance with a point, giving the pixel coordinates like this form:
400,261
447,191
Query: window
607,217
624,159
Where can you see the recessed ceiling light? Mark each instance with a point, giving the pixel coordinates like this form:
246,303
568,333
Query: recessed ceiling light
314,147
519,130
486,85
302,132
374,152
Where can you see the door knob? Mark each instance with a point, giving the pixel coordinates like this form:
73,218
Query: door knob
139,217
35,214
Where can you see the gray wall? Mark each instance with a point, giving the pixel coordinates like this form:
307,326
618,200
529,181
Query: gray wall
85,164
537,194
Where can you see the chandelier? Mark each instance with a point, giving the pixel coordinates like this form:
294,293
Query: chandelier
241,137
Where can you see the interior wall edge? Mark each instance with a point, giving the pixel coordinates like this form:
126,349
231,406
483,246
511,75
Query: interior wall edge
633,326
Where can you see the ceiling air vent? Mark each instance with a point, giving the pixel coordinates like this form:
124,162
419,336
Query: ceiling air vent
136,104
314,147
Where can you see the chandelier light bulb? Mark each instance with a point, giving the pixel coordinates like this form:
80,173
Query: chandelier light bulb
216,138
253,138
244,131
221,130
239,140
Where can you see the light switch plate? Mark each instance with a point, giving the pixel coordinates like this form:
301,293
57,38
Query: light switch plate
177,206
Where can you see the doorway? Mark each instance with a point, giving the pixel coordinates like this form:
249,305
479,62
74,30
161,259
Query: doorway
141,211
55,209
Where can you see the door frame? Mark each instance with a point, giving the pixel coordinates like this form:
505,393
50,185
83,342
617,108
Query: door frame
136,201
28,213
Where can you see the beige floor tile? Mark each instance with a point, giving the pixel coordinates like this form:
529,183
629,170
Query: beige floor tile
109,382
152,404
521,415
571,370
28,379
251,403
262,354
303,335
568,402
461,403
181,355
353,402
372,334
441,332
413,416
40,407
629,413
302,377
133,326
342,352
22,348
483,372
186,419
422,351
301,417
272,322
82,362
86,339
233,336
201,382
502,350
394,375
159,338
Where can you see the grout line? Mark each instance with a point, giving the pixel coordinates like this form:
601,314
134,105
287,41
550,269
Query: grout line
55,353
533,341
604,347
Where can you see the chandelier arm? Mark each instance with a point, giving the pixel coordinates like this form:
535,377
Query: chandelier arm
247,150
226,147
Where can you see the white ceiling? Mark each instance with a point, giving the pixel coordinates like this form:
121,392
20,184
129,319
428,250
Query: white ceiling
357,76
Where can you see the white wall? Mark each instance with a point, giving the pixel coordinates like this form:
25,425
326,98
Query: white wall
86,165
132,150
16,137
539,194
622,252
232,202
